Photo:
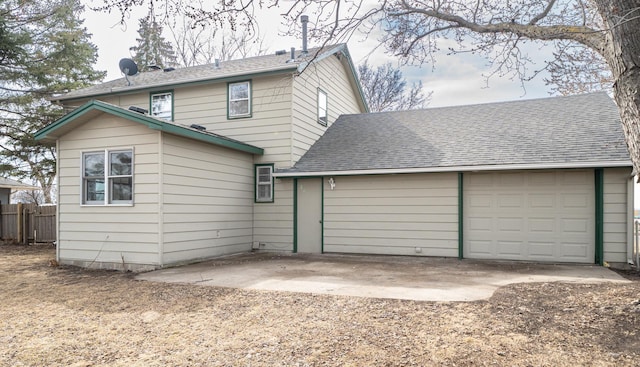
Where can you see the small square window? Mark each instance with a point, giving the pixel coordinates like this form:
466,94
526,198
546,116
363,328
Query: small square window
322,107
162,105
239,99
264,183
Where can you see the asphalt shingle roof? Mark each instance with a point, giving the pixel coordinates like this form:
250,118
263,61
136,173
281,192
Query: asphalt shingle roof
559,130
7,183
226,69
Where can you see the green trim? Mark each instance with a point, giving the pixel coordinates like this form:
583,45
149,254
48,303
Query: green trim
151,94
47,133
356,79
460,216
255,183
138,89
322,215
250,114
599,192
295,215
326,108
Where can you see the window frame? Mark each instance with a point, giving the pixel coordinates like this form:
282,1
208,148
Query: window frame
107,178
322,122
257,183
249,100
158,93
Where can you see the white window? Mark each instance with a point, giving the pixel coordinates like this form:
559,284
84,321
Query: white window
239,99
107,177
264,183
162,105
322,107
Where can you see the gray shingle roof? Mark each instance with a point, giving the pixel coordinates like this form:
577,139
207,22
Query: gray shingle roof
92,108
550,131
200,73
7,183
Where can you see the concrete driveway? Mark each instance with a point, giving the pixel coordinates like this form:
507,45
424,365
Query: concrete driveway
399,277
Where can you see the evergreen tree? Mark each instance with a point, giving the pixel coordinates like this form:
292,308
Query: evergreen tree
153,49
45,51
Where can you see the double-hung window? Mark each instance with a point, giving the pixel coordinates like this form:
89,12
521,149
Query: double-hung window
162,105
239,99
107,177
264,183
322,107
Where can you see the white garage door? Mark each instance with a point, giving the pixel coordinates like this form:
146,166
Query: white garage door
533,215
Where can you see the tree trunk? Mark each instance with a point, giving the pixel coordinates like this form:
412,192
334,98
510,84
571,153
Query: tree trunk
622,52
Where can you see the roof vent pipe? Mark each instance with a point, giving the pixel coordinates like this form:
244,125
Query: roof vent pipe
293,53
304,19
217,63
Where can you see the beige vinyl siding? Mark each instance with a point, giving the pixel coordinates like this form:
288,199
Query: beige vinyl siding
269,127
392,215
616,218
107,236
273,222
331,75
207,200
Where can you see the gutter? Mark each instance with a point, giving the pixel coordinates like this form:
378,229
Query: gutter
505,167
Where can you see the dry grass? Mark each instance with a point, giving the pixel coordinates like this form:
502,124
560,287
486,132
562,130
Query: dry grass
72,317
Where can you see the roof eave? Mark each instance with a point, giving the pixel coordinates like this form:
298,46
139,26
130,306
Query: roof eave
47,133
182,83
504,167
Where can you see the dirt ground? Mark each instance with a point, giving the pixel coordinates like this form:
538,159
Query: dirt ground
64,316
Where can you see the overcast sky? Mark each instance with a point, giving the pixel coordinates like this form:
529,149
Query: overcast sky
455,80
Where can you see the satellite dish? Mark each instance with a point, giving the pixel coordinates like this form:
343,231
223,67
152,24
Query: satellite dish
128,67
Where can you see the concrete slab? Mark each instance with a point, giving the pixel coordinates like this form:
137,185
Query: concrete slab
398,277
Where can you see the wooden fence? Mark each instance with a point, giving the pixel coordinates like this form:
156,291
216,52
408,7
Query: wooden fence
27,223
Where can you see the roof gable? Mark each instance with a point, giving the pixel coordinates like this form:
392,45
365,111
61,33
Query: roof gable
91,109
562,132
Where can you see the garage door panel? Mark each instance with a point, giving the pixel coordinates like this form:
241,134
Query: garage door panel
571,178
541,250
510,201
542,200
535,215
511,179
542,178
481,180
575,201
541,225
481,224
510,225
574,250
575,226
509,248
480,248
481,201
